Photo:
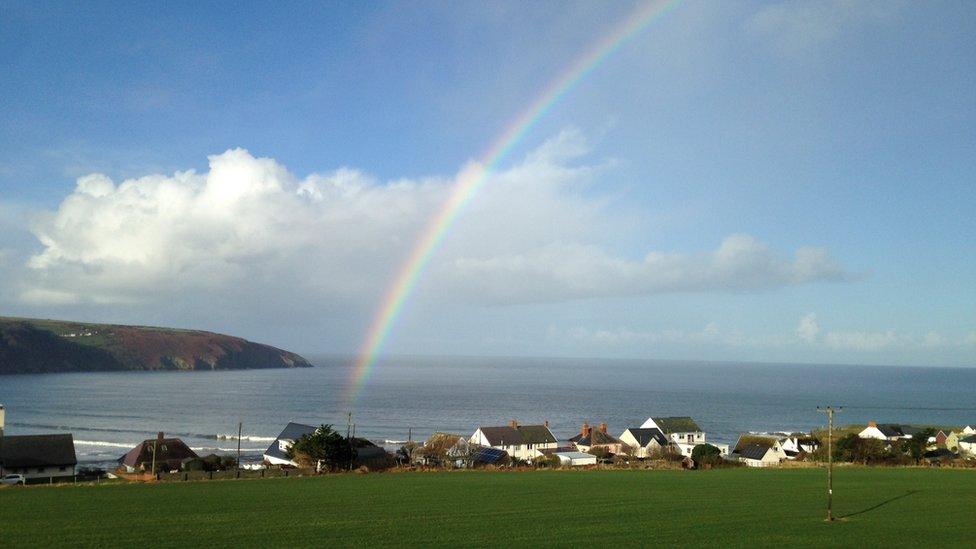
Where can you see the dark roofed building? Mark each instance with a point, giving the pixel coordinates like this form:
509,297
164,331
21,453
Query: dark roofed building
277,453
38,456
759,451
589,438
646,441
169,455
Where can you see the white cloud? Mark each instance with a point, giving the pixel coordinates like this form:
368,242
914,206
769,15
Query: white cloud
808,329
249,231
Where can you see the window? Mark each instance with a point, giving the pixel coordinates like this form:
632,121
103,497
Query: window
62,468
530,446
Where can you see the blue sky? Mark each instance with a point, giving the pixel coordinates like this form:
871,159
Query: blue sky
772,127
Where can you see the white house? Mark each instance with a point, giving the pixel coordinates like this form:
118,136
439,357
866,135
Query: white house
683,432
887,431
967,430
967,446
793,445
524,442
758,451
575,459
277,453
646,441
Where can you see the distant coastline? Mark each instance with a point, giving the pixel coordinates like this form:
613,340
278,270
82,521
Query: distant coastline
31,346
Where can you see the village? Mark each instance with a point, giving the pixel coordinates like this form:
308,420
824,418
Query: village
658,442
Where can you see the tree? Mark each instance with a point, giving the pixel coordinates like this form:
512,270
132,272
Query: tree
919,442
706,454
325,447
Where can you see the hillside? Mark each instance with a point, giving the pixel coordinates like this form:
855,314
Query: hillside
42,346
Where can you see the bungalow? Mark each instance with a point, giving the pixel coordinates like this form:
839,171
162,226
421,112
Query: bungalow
277,453
575,459
759,451
38,456
683,432
887,431
646,442
524,442
166,453
589,439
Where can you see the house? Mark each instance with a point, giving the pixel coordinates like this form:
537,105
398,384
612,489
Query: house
575,459
940,439
646,441
887,431
442,447
277,453
967,430
794,445
683,432
967,446
590,438
166,453
524,442
38,456
369,455
759,451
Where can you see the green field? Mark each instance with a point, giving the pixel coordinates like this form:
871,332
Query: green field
880,507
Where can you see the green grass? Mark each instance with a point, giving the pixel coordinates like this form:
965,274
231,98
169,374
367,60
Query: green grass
882,507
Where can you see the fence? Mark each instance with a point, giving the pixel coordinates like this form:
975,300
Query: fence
233,474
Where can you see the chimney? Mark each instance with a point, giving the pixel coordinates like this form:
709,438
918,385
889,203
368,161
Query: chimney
513,424
546,423
872,423
603,428
160,436
2,414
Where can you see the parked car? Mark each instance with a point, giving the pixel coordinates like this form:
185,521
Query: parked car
13,479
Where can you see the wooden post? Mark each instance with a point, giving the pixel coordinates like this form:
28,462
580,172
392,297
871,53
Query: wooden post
829,410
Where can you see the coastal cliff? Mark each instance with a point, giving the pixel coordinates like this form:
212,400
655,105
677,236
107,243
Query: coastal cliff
44,346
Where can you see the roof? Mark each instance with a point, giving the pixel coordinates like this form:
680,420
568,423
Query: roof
37,450
680,424
645,435
167,449
970,438
752,451
575,455
598,436
291,432
486,454
523,434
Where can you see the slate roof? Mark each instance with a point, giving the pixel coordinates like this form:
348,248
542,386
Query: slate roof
37,451
968,439
752,451
598,436
523,434
896,430
292,431
645,435
681,424
169,450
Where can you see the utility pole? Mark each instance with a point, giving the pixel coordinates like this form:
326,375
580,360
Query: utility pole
830,411
348,439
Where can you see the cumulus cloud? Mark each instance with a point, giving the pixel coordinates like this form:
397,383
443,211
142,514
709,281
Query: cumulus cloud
249,230
808,329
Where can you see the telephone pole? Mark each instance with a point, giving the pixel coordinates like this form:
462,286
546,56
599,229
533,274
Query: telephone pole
830,411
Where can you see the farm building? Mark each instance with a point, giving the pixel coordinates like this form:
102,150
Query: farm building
575,459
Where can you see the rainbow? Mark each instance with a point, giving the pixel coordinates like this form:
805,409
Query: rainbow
470,181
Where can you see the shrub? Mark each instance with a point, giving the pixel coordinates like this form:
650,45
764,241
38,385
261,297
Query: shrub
706,454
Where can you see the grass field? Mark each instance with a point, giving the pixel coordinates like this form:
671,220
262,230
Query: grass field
880,507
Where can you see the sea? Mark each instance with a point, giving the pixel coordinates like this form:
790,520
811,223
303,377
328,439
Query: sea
409,398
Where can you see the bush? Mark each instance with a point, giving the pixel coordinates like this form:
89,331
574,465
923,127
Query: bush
706,454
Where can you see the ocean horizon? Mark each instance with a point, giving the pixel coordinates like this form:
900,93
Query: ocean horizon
411,397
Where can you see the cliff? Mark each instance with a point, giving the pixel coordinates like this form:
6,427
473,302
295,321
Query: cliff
40,346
